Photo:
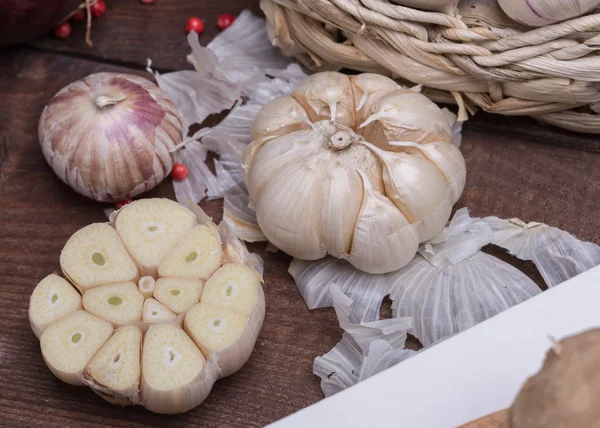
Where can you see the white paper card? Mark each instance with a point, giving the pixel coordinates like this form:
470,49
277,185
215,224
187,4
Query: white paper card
470,375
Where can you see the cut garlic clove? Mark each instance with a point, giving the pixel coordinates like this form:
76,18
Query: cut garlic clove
446,157
69,344
234,286
197,256
52,299
114,372
118,304
95,255
280,116
178,294
150,228
172,371
367,88
383,240
405,115
156,312
419,190
146,286
327,96
213,328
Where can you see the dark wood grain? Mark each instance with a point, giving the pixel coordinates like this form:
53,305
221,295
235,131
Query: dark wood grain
130,32
509,175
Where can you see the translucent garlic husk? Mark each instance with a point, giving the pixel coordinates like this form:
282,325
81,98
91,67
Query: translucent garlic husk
109,135
355,167
124,337
545,12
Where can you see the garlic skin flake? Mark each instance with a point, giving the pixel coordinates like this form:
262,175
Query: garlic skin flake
354,167
539,13
109,135
162,341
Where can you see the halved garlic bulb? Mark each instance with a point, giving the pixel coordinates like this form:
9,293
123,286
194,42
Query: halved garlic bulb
128,343
109,135
374,174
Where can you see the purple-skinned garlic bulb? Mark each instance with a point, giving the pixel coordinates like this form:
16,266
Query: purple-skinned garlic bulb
110,135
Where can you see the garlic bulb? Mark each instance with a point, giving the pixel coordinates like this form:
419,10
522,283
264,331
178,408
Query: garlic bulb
355,167
125,337
544,12
109,135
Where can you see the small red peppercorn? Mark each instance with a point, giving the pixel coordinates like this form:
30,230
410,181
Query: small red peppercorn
62,30
225,20
179,171
78,16
98,9
195,24
121,204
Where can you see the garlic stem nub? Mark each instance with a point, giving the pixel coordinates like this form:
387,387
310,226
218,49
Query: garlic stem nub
52,299
95,255
146,286
114,372
197,256
178,294
234,286
213,328
69,344
116,303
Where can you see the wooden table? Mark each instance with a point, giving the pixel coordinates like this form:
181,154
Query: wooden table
516,168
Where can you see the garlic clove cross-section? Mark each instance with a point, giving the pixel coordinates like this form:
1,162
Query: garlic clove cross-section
52,299
197,256
178,294
235,287
172,371
95,255
150,228
118,304
69,344
150,360
114,372
309,186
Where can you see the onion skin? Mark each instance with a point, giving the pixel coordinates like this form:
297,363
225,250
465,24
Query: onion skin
23,20
109,136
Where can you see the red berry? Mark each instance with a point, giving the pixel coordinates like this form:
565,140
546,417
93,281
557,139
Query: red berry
195,24
121,204
98,9
179,171
78,16
225,20
62,30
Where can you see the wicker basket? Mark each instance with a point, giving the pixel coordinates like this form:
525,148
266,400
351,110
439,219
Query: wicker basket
477,59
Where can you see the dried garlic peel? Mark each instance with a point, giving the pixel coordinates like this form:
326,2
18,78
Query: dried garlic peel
128,343
355,167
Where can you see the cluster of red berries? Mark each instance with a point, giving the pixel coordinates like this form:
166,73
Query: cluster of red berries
197,25
63,30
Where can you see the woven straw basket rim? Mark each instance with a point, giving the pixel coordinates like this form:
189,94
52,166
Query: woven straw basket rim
476,58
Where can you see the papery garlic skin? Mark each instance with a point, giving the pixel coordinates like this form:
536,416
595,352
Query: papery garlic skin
109,135
375,174
128,343
539,13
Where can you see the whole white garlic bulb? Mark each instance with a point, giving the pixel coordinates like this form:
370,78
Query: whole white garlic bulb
538,13
355,167
109,135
